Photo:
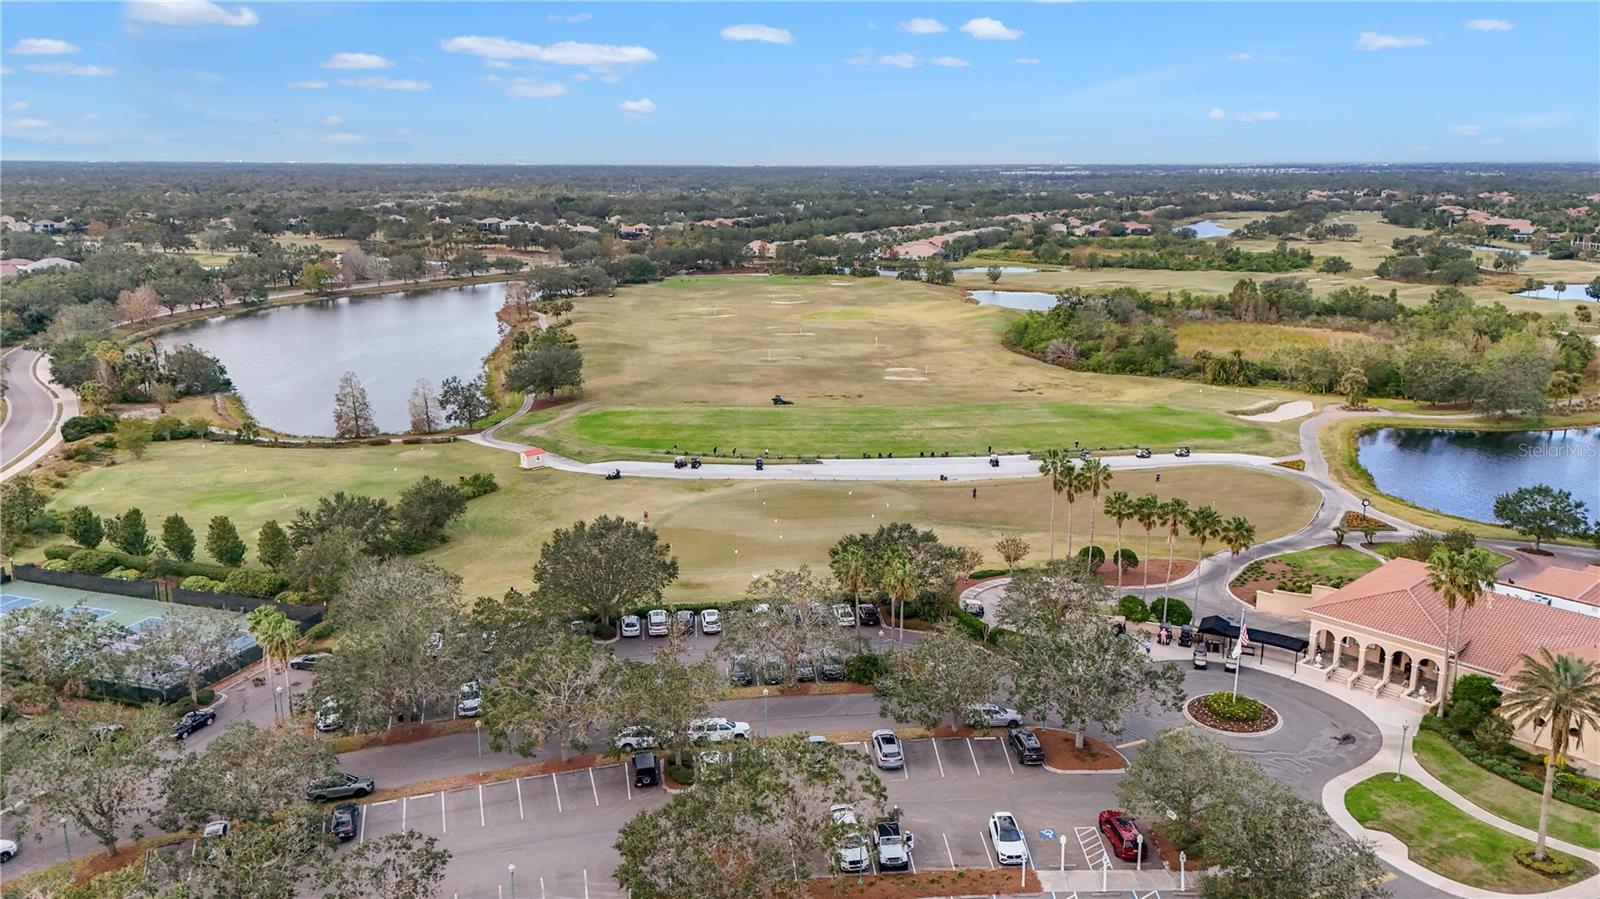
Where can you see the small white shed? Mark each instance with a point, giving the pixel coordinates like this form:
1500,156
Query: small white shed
533,457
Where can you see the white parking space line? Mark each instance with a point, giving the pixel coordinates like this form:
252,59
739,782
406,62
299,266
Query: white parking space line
1005,753
983,839
482,822
585,883
558,791
974,753
403,814
541,888
1093,848
442,827
594,789
520,815
627,782
947,850
935,744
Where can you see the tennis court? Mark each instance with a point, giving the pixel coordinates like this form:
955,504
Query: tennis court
130,612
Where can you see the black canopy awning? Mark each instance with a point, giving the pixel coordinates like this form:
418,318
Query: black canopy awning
1218,626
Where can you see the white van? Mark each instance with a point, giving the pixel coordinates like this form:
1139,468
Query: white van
657,623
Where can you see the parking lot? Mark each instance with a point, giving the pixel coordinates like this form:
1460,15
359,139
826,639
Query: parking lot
558,829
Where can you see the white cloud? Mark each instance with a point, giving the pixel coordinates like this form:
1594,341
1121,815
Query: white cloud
1241,57
383,83
43,46
357,61
309,85
6,70
763,33
573,18
1489,24
1537,120
1492,141
898,60
1026,61
1372,40
190,12
566,53
1263,116
922,26
332,120
987,29
1217,114
28,123
18,106
1466,129
68,68
530,87
342,137
954,62
640,107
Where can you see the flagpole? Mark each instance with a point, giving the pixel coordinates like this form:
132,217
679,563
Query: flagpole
1238,653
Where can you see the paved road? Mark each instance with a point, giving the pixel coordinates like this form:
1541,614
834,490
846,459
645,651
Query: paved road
30,407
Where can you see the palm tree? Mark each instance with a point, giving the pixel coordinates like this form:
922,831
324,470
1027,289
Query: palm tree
1175,515
901,582
264,622
1147,511
1071,485
1237,534
1561,693
1459,577
1057,466
853,569
1204,524
1096,476
1119,507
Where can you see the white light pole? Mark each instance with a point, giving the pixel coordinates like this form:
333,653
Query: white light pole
1183,861
477,728
1400,762
1063,839
764,730
1138,861
511,875
66,839
277,702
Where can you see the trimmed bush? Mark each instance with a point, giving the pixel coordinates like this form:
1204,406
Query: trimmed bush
1224,706
81,426
1553,865
1177,611
477,484
168,567
91,561
1098,556
983,573
322,630
55,565
681,774
60,552
201,583
866,667
1133,608
970,624
1125,558
126,574
604,630
260,584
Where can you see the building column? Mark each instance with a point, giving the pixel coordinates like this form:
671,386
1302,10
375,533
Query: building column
1388,662
1416,670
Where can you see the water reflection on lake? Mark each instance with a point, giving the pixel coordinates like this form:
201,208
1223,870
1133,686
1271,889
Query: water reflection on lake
1035,300
1461,472
1207,228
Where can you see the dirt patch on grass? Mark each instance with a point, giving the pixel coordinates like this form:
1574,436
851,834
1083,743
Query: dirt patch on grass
1062,754
969,882
401,734
1134,576
828,688
1270,571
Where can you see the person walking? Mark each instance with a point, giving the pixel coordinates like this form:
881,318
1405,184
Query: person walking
974,493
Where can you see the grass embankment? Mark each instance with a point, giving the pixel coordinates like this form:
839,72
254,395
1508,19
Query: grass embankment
1501,797
721,531
1332,561
1448,841
873,365
1256,341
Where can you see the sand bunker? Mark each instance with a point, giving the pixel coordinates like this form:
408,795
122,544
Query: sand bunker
900,369
788,302
1285,412
903,378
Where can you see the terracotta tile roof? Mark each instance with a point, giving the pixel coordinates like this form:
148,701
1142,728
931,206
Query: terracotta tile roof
1567,583
1395,599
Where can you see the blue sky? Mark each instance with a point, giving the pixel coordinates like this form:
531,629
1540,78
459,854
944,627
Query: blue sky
822,83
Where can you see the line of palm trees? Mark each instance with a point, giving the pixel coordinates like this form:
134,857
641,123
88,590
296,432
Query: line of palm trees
1202,524
279,639
897,575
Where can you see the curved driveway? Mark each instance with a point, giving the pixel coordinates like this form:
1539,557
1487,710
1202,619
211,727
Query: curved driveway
31,406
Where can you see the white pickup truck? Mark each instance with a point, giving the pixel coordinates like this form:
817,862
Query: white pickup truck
894,847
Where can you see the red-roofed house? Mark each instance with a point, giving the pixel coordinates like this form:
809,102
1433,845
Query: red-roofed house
1573,589
1384,634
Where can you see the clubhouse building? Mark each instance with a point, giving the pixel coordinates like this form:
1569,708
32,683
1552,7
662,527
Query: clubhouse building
1384,634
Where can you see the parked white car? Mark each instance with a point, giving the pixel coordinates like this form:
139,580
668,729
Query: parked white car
845,615
8,850
630,626
886,750
657,623
716,730
851,855
632,739
994,715
470,702
711,622
1009,846
328,715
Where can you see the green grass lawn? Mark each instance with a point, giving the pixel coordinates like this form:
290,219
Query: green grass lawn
721,531
908,430
1392,550
1495,794
1332,561
1448,841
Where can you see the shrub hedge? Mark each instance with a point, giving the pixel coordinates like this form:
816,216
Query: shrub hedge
1098,555
60,551
866,667
1507,767
260,584
202,583
1177,611
982,573
81,426
1224,706
91,561
1133,608
1553,865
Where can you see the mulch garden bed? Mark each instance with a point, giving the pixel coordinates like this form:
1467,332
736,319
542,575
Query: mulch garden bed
401,734
965,882
826,688
1168,852
1272,571
1133,577
1268,720
1062,753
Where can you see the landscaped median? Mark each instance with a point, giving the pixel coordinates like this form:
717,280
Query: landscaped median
973,882
1450,842
1501,797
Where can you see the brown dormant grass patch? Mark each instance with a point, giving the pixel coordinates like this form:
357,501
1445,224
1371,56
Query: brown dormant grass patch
1062,754
966,882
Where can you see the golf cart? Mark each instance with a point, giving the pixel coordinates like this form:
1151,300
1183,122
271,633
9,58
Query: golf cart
760,464
1085,455
1183,451
994,461
1142,453
680,462
694,461
614,474
778,400
1200,657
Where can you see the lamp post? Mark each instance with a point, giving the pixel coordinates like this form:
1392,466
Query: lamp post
1400,762
764,730
477,728
277,702
66,840
511,875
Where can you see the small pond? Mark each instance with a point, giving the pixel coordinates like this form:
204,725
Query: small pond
1548,292
1035,300
1206,228
1004,270
1461,472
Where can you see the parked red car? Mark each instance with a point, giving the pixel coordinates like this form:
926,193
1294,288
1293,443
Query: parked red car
1122,835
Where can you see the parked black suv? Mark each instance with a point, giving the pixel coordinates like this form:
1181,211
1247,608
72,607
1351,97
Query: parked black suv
345,821
646,769
868,613
192,722
740,672
832,667
340,786
1026,745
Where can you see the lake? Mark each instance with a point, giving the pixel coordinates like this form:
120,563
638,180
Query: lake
1461,472
286,362
1207,228
1035,300
1004,270
1573,292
